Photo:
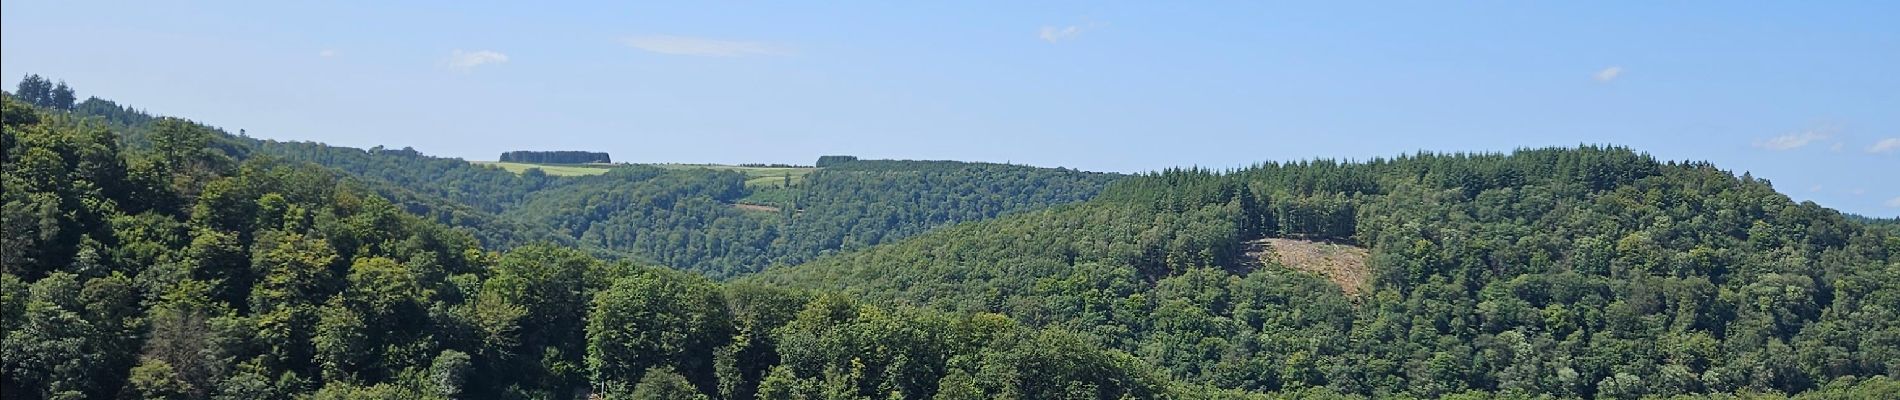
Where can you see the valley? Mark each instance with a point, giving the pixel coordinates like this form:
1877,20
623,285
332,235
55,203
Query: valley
158,257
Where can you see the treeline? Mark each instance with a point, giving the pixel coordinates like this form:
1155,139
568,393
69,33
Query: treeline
39,91
828,161
556,157
1566,273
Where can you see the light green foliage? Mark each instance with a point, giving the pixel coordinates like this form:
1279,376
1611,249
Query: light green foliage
657,319
663,384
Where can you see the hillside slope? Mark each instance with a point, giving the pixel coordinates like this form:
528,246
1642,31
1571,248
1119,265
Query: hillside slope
688,217
677,215
190,269
1568,272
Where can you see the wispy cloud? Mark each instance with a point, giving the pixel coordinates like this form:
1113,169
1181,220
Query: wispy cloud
327,53
1054,34
1885,146
1793,141
692,46
465,60
1894,202
1608,74
1063,33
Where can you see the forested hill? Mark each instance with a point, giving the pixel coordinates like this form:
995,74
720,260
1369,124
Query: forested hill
1592,272
445,190
188,269
159,258
692,219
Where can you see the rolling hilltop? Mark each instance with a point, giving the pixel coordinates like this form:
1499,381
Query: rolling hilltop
151,257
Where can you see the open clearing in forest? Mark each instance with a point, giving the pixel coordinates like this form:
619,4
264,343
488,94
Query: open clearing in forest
1344,265
551,169
756,207
756,177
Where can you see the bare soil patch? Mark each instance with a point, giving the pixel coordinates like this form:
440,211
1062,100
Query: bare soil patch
1344,265
755,207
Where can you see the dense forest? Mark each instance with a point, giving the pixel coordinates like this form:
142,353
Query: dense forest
152,257
1590,272
556,157
684,218
187,270
687,218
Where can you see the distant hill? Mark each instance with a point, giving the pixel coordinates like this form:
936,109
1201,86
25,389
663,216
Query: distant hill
728,221
1588,271
711,219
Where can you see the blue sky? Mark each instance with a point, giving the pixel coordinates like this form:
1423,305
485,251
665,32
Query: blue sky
1802,94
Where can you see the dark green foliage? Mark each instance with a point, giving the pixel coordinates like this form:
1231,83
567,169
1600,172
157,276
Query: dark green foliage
41,92
832,161
556,157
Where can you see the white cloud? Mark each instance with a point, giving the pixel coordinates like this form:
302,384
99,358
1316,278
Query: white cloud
1054,34
1895,202
692,46
1792,141
1815,188
1608,74
327,53
1858,191
464,60
1885,146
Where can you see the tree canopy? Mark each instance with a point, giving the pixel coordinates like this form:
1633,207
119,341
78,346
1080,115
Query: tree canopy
556,157
156,257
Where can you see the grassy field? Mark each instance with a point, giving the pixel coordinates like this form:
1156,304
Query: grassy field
757,177
552,169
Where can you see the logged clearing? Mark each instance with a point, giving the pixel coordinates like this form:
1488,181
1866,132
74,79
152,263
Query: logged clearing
1344,265
756,207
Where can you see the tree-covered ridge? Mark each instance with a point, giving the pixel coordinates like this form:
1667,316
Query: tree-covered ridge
42,92
457,195
556,157
687,218
1591,272
488,189
186,271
